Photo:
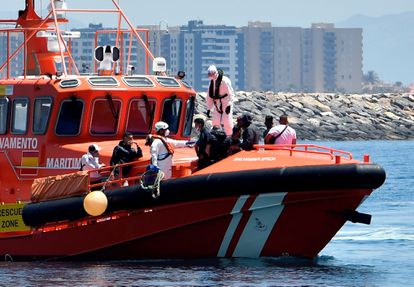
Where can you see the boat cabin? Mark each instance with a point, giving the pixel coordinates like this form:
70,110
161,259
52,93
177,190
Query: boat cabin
51,113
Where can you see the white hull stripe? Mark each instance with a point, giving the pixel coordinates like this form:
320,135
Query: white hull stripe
266,210
237,215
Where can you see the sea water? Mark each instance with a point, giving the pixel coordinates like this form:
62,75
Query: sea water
380,254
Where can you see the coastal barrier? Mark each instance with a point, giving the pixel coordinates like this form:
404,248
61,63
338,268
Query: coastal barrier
328,116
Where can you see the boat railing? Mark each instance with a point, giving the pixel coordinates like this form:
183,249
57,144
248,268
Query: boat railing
307,148
113,176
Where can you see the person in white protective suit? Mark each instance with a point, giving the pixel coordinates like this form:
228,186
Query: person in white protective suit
162,148
220,99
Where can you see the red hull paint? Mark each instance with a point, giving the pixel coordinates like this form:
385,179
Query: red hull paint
193,230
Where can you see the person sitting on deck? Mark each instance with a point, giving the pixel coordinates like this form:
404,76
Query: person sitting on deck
90,161
125,153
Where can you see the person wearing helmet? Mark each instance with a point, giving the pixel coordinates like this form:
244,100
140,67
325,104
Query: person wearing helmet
162,148
220,99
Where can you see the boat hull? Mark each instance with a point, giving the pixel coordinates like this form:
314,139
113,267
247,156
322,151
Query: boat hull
275,212
273,224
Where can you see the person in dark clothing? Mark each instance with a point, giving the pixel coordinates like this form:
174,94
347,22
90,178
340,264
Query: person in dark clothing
124,153
202,146
219,144
269,124
250,134
235,141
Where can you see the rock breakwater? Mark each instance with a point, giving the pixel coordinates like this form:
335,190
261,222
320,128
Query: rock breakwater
323,116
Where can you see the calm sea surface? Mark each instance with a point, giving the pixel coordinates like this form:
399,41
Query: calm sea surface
380,254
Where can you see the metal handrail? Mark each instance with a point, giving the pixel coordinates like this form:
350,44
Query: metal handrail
110,170
306,148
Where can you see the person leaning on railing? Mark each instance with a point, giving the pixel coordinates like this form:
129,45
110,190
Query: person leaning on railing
124,152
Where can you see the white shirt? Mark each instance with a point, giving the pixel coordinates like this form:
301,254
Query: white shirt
89,162
225,88
286,137
159,152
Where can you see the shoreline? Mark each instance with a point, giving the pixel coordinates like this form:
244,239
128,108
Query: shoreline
330,116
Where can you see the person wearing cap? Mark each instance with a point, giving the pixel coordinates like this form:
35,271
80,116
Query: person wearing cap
90,161
250,134
124,152
162,148
282,133
220,99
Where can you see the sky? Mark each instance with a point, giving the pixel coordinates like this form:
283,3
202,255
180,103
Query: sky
233,12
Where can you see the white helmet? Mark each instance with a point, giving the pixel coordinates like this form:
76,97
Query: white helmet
212,70
161,126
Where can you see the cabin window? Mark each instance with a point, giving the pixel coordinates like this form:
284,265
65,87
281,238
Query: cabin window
105,115
138,82
42,109
168,82
4,106
189,116
19,120
70,116
171,113
185,83
140,116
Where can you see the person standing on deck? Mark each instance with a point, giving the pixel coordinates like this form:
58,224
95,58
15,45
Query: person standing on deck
282,133
220,99
162,148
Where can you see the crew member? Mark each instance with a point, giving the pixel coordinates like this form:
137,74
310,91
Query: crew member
282,133
220,98
162,148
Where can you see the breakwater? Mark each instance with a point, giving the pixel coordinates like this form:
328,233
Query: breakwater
323,116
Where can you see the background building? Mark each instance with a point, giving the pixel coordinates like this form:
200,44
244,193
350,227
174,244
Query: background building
194,47
257,57
331,59
319,59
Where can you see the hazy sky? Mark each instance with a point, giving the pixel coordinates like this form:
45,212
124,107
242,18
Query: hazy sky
233,12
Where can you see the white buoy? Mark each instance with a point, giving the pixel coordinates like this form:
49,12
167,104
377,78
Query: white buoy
95,203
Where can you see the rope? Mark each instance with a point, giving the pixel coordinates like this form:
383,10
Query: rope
155,188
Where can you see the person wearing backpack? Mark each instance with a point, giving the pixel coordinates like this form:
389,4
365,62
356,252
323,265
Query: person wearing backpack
220,99
162,148
219,144
282,133
202,146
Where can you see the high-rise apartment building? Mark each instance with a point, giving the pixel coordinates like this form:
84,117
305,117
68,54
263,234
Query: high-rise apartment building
319,59
273,57
16,64
83,48
194,47
331,59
